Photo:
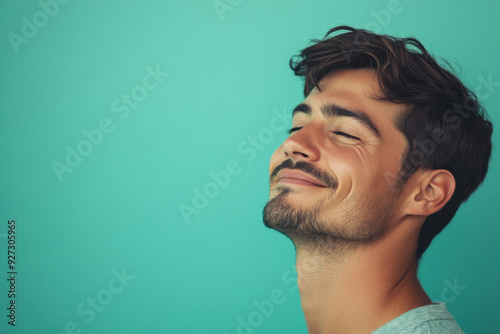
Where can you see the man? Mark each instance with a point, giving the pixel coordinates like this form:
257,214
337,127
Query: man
383,150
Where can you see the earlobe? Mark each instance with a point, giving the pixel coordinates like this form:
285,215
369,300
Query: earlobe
436,189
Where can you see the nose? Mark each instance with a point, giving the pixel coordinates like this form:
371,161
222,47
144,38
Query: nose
302,145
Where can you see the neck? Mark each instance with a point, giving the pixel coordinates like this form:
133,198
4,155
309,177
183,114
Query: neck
358,288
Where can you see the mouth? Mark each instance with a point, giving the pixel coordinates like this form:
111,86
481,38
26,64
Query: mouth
297,177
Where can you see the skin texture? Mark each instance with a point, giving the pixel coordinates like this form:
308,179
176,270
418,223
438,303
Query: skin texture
354,232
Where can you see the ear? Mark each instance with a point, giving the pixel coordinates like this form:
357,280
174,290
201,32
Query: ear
433,190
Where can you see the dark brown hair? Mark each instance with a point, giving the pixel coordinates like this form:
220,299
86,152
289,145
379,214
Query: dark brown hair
442,120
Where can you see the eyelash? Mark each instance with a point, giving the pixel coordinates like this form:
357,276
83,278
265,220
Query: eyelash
292,130
340,133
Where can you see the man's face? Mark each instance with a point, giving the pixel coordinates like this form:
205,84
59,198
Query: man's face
331,176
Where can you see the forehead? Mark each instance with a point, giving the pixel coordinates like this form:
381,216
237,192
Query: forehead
356,89
358,85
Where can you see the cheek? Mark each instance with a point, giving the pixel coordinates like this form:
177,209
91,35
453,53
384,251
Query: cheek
343,162
351,171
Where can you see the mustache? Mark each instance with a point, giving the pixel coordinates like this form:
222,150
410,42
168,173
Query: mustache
307,168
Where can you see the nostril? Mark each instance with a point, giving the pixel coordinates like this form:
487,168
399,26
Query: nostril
300,153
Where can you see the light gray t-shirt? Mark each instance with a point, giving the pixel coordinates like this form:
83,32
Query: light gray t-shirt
428,319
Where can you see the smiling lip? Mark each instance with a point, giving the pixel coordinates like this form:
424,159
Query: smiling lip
296,177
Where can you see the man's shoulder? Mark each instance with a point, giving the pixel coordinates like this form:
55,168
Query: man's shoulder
429,319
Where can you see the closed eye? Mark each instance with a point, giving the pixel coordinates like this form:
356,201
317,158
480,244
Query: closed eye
292,130
346,135
340,133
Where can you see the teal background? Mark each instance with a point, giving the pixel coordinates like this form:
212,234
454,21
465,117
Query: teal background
119,209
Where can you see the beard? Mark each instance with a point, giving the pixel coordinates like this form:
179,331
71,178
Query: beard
361,220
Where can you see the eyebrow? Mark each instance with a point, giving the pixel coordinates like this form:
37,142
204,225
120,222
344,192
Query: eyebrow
331,110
